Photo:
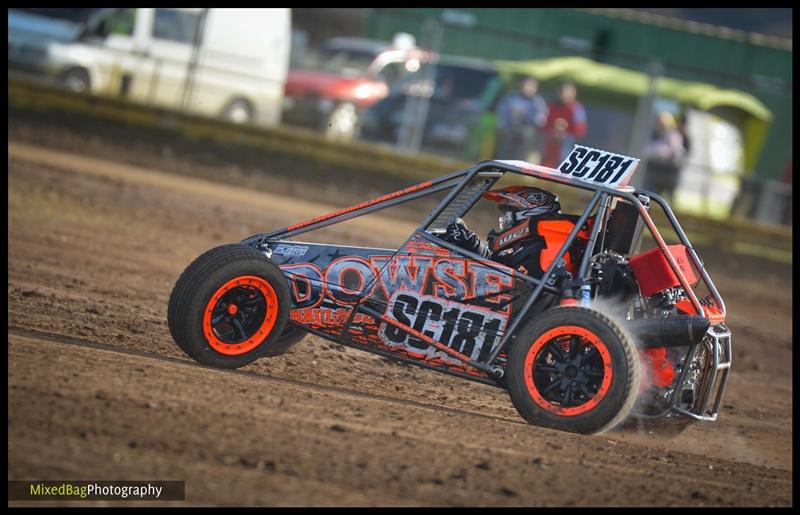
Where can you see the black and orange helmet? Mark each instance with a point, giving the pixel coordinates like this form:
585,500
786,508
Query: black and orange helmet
521,202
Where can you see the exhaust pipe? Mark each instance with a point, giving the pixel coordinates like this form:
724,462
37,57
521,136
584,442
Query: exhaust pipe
667,332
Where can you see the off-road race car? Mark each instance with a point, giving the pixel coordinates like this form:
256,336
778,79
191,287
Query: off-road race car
583,331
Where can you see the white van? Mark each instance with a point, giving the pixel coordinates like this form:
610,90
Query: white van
214,62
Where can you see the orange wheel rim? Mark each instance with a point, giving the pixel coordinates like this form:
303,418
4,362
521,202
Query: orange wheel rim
240,315
568,370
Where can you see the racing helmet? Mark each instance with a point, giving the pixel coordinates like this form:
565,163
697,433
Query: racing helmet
518,203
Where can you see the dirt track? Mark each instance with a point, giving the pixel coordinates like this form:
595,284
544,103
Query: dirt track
97,389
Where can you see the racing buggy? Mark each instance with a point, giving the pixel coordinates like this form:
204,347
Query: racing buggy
581,327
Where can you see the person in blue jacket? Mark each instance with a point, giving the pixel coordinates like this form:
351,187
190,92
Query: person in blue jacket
520,114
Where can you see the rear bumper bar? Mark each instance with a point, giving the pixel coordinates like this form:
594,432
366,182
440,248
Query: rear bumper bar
703,378
717,347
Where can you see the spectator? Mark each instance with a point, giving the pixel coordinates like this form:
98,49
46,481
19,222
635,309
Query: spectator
519,115
665,155
566,122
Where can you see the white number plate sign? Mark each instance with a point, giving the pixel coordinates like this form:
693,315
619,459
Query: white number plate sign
598,166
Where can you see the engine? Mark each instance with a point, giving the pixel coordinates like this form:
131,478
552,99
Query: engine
665,335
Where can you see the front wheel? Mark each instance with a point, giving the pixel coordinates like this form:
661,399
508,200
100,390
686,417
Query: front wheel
229,306
573,369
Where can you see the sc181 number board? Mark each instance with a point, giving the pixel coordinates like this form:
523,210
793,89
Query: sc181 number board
598,166
470,330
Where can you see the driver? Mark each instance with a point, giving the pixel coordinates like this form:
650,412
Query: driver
515,243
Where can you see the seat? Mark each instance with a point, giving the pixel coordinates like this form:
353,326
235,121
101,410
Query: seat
555,231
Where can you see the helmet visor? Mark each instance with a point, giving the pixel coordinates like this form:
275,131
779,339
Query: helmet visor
506,220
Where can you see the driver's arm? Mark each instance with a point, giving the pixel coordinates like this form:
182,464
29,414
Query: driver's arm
457,232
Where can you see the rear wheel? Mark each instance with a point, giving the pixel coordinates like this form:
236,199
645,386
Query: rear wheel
573,369
229,306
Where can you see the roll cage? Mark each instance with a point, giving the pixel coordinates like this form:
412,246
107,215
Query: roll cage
465,188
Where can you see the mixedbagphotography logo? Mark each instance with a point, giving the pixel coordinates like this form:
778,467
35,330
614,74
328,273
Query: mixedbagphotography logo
96,490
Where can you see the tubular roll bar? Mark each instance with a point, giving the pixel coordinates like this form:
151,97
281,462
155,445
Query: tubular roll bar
390,199
692,253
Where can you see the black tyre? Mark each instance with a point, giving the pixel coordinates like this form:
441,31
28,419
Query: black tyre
239,111
77,80
573,369
229,306
291,335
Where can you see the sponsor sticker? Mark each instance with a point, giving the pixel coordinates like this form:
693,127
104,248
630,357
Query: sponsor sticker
291,250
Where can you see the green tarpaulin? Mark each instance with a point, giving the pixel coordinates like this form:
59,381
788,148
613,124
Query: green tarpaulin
587,73
625,83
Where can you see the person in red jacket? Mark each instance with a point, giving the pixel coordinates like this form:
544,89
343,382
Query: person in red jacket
566,122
